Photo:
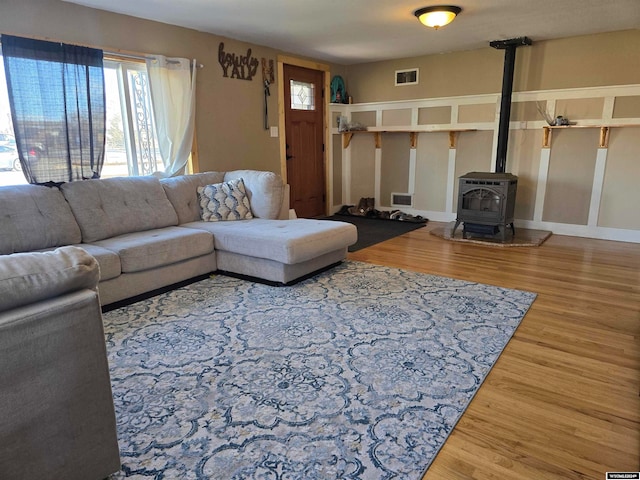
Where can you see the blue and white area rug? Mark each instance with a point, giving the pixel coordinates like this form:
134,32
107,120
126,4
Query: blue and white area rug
358,373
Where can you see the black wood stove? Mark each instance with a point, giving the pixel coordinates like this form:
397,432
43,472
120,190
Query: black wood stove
486,200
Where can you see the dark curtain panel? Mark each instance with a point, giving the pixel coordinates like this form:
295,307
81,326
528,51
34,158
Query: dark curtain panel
56,93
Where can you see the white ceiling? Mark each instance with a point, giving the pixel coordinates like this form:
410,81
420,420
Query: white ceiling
357,31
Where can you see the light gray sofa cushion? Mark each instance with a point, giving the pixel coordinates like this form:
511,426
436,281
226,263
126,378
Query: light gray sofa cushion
264,189
33,217
285,241
108,260
34,276
140,251
182,193
136,283
115,206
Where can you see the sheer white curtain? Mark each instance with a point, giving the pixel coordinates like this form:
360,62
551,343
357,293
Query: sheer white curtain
172,82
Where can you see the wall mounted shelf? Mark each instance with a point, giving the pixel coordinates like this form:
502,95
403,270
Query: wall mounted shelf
603,142
413,134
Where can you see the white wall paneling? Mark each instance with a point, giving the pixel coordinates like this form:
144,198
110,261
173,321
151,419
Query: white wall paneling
609,94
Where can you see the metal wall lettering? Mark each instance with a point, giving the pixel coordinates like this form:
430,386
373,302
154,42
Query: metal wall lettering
243,67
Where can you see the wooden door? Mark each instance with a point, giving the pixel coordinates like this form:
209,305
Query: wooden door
304,136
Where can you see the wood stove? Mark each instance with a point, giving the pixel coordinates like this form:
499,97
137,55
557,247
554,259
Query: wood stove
486,203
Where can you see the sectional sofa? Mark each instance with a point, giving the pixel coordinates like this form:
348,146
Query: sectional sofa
147,233
68,250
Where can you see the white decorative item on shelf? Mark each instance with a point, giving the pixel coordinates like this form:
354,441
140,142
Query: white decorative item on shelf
343,123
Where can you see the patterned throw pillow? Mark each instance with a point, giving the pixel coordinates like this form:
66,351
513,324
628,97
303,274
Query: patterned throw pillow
224,201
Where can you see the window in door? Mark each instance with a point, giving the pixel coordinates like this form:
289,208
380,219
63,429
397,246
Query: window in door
302,95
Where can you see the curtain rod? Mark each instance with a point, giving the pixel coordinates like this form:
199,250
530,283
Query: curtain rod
109,53
139,57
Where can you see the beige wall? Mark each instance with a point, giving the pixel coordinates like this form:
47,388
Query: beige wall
627,107
229,112
432,163
523,158
336,195
620,193
585,61
527,111
571,170
394,166
473,154
459,73
396,117
484,112
363,167
583,108
368,119
434,115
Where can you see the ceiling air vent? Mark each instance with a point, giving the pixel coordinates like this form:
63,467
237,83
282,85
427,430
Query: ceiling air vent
407,77
402,200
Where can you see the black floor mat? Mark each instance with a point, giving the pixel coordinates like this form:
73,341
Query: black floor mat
375,230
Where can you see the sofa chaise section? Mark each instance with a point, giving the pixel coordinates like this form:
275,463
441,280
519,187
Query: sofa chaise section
280,251
264,247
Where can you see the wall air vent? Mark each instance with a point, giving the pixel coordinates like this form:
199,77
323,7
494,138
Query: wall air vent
407,77
402,200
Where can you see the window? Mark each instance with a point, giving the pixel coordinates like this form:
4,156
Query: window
131,141
10,173
302,96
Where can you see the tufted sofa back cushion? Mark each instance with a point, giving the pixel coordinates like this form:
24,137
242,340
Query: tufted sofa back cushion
33,217
115,206
182,192
264,189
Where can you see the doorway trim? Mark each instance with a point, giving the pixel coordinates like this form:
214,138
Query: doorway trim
282,60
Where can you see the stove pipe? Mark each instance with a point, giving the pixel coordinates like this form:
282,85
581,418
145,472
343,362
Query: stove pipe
509,47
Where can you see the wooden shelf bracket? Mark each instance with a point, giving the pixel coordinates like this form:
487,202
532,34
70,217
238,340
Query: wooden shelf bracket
453,137
546,137
378,139
346,139
604,137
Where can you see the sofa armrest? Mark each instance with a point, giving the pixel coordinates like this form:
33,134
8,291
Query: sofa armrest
27,278
55,395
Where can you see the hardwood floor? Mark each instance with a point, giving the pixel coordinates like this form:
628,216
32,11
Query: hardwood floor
562,402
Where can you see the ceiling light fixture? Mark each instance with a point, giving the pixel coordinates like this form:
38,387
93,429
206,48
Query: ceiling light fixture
437,16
